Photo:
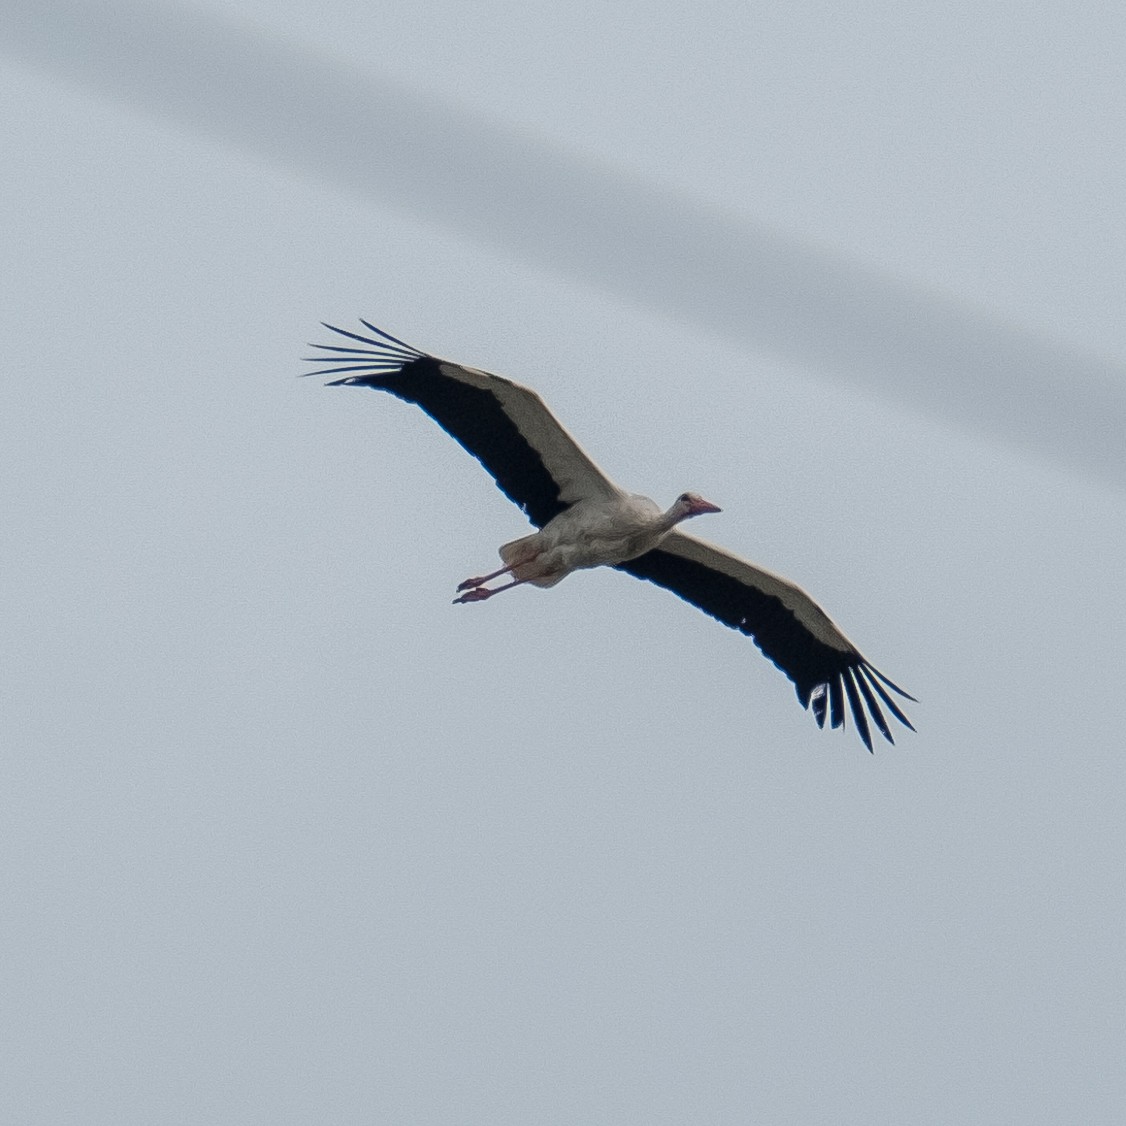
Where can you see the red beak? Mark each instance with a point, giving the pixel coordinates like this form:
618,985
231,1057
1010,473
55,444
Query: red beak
701,506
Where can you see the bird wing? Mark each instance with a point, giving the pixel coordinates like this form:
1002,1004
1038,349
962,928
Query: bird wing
505,426
783,621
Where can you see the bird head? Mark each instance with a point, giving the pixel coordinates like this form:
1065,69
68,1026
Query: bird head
692,504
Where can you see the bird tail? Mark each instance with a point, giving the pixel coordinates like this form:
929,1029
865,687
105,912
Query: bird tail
518,554
518,551
521,556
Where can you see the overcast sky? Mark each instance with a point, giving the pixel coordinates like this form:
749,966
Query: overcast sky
286,837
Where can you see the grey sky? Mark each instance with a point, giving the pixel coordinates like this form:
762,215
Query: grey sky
599,224
288,838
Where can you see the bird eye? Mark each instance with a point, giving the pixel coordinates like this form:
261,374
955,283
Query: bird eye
684,498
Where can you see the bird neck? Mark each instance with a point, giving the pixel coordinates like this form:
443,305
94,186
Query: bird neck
669,520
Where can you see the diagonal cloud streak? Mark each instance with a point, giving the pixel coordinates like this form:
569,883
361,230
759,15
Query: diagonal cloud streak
594,223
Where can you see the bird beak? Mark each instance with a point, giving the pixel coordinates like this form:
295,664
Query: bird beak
702,506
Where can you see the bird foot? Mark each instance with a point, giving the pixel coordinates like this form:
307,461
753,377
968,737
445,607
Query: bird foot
469,584
476,594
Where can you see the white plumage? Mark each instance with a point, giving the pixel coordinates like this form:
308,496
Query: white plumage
591,533
585,520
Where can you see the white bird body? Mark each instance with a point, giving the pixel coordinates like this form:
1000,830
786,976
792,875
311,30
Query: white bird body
585,520
592,533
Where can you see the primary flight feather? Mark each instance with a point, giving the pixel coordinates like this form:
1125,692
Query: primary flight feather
585,520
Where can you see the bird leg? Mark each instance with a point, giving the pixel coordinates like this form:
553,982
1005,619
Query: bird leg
480,593
470,583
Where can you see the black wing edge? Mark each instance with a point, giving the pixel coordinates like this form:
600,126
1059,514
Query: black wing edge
823,677
473,416
384,355
856,680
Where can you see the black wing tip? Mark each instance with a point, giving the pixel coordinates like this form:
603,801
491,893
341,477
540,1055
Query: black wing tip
822,674
854,684
890,683
383,355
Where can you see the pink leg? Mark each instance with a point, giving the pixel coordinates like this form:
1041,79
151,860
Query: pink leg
479,593
484,578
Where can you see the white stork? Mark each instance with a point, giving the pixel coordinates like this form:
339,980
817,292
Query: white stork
585,520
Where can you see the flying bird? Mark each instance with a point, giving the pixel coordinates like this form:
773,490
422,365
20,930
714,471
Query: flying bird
585,520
